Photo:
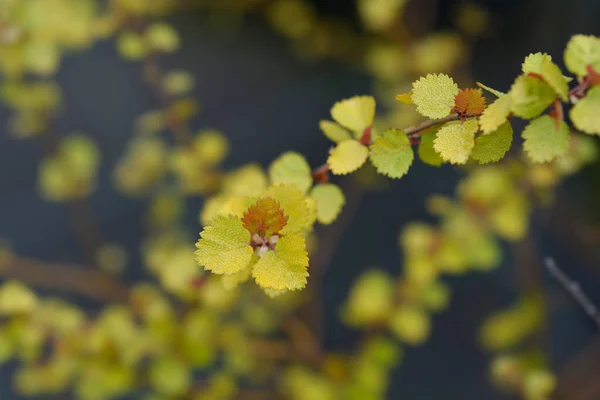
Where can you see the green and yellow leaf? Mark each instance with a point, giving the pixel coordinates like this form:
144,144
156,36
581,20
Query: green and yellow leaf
223,247
581,51
293,168
284,268
334,131
347,156
493,147
455,141
330,200
355,113
586,113
543,141
495,115
427,153
530,96
434,95
392,154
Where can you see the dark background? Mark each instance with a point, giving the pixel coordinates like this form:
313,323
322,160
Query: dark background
266,101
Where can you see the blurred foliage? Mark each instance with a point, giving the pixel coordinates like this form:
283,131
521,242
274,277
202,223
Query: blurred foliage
200,331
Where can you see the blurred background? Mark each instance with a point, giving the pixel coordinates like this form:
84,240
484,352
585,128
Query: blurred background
267,97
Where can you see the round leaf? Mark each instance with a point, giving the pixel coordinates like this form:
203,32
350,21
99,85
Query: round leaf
392,154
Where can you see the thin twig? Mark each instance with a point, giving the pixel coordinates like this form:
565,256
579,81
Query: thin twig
573,289
413,131
85,281
153,76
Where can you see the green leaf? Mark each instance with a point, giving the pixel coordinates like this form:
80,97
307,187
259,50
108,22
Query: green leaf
347,156
16,298
170,376
371,299
330,200
586,113
543,141
530,97
541,64
427,153
455,140
284,268
291,168
495,114
334,132
581,51
223,247
533,63
410,324
392,154
493,147
434,95
355,113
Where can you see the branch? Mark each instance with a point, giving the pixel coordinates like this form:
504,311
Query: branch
85,281
153,76
573,289
415,130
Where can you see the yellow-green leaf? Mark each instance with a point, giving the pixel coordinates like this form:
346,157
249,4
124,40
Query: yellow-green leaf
347,156
586,113
392,154
334,131
330,200
581,51
223,247
162,37
294,205
530,97
455,140
495,114
434,95
291,168
543,141
410,324
493,147
495,92
284,268
170,376
16,298
355,113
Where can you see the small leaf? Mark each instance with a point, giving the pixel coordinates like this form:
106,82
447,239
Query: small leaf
434,95
495,92
162,37
493,147
410,324
334,132
533,63
294,205
223,247
581,51
543,142
427,153
355,113
586,113
405,98
495,115
264,218
291,168
392,154
455,140
284,268
16,298
330,200
530,97
347,156
470,102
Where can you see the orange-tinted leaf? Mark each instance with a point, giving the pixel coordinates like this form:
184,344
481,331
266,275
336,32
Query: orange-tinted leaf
470,102
264,217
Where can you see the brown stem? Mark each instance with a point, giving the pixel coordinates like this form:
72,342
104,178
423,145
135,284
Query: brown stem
81,214
84,281
153,76
414,131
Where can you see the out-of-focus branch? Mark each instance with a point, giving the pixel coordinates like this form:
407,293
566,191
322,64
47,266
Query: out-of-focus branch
153,76
579,379
573,289
85,281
